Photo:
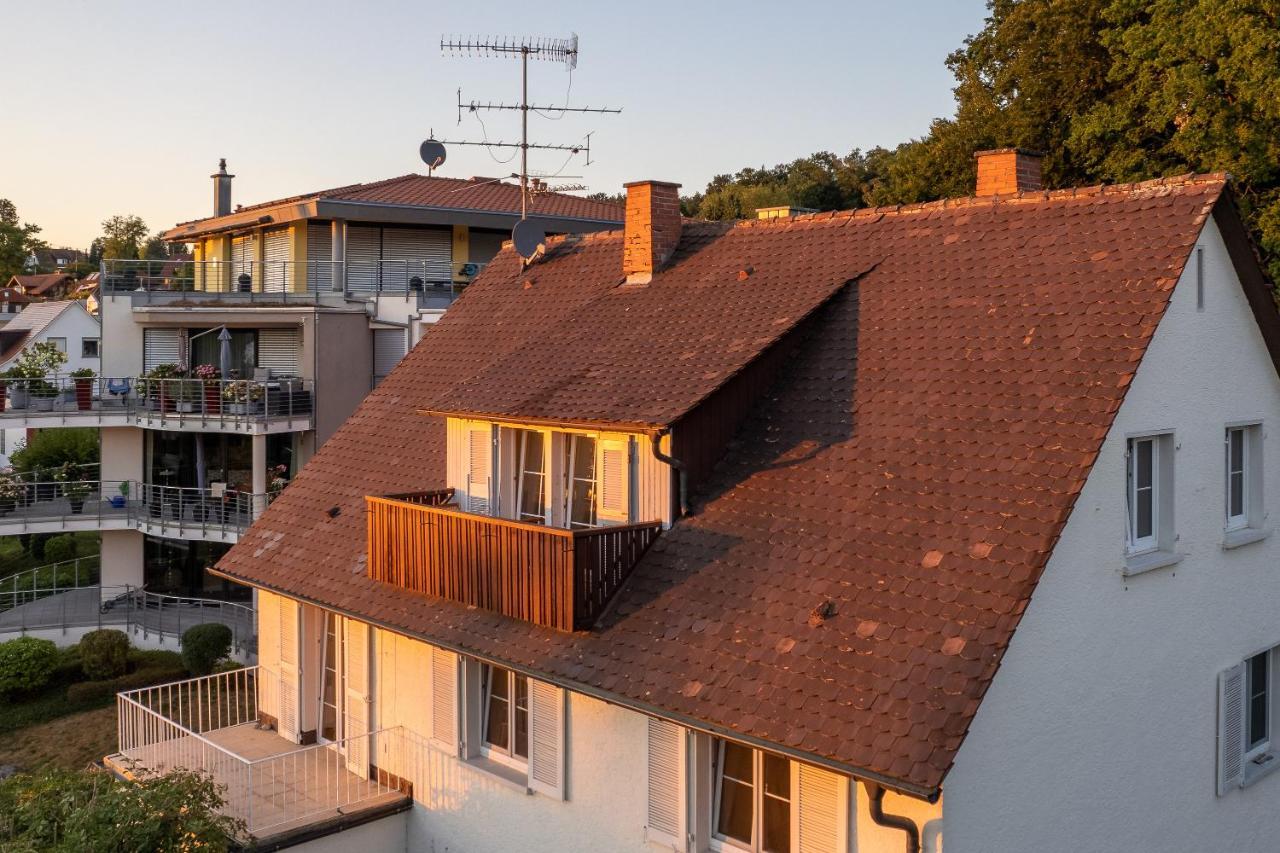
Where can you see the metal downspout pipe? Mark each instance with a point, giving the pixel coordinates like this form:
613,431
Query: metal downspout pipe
682,474
875,793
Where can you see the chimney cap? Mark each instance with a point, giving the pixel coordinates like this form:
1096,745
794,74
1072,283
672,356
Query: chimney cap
1025,152
631,184
222,169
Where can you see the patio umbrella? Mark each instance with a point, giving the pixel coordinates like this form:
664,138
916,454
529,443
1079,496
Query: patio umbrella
224,352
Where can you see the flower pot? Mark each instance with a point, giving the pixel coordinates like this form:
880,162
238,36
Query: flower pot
117,501
212,399
42,404
185,406
18,397
236,408
77,505
84,394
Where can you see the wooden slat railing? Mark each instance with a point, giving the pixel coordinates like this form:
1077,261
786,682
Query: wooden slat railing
558,578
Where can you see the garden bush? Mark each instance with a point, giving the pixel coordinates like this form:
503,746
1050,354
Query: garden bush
26,664
60,548
204,645
104,654
98,691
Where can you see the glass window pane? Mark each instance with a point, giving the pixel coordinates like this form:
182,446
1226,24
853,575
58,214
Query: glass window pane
1237,494
497,726
735,811
1257,688
522,717
776,832
738,763
777,776
1144,452
1237,450
533,495
1143,518
584,457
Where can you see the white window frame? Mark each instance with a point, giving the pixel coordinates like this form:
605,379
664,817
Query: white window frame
1142,544
723,844
523,436
97,347
1240,519
60,343
1252,751
570,475
496,753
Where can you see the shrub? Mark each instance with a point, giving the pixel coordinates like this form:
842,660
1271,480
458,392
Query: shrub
26,664
99,691
104,654
152,658
60,548
204,645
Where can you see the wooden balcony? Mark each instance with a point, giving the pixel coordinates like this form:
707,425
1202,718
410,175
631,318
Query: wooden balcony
557,578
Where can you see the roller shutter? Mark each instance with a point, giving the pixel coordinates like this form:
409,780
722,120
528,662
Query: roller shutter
160,346
278,349
483,245
275,261
388,349
408,253
364,250
244,257
319,257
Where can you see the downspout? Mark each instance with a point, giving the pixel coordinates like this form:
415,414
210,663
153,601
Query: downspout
875,793
682,474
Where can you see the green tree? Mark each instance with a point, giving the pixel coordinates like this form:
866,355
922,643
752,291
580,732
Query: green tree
124,238
17,241
66,812
50,449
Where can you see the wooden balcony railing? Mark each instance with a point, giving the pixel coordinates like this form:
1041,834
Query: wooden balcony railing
558,578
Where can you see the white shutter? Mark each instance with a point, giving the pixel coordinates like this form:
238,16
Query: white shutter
159,346
388,349
319,257
546,739
355,726
276,270
244,257
269,654
278,349
613,475
1230,728
444,699
666,784
821,810
288,722
479,467
364,250
423,252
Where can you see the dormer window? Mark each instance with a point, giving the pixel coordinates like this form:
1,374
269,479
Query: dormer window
580,477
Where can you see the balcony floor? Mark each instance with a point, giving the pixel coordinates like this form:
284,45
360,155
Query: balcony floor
284,798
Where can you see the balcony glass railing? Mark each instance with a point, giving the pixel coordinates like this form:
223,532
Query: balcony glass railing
305,282
217,403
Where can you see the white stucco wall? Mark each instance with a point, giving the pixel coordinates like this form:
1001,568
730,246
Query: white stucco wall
1098,733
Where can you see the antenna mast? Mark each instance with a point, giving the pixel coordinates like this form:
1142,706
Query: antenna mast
564,51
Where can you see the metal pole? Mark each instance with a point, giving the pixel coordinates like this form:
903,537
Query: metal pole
524,131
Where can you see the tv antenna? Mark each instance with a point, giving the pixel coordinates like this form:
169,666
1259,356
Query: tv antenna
563,51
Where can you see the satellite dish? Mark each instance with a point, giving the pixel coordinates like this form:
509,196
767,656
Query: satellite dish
432,153
528,238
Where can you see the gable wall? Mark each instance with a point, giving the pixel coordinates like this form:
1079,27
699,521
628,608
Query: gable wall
1098,732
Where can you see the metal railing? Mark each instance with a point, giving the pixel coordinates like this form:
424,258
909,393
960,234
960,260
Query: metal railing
304,282
29,501
40,582
234,403
207,510
60,606
188,725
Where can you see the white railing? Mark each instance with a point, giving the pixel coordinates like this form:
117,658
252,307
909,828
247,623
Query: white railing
40,582
179,725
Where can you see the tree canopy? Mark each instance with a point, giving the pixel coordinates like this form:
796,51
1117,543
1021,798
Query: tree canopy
123,237
1107,90
17,241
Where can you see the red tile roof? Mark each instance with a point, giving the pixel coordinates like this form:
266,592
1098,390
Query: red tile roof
39,285
913,465
477,194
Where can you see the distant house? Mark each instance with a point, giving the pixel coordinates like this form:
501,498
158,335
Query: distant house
12,301
59,259
43,285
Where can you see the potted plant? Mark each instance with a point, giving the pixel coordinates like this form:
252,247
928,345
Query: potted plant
74,487
42,393
278,481
234,394
210,377
159,387
83,378
10,490
35,363
187,394
119,501
17,385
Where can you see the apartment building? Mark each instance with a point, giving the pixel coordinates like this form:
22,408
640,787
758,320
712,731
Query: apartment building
223,370
852,531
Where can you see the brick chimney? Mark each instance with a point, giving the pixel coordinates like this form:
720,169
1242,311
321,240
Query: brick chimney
1008,170
652,228
221,189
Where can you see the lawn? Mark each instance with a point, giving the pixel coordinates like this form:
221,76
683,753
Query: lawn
69,742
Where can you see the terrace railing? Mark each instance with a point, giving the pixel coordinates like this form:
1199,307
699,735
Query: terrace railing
263,282
186,725
549,576
40,582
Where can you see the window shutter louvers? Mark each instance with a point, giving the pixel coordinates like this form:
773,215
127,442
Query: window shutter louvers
1230,728
613,471
546,739
666,784
356,669
159,346
269,654
287,720
479,468
821,811
444,699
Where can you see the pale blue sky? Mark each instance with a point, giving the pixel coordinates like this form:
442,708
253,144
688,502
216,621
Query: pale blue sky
125,107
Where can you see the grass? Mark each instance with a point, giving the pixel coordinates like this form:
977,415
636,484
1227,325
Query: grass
70,742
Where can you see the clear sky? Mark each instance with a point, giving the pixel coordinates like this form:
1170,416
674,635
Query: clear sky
124,106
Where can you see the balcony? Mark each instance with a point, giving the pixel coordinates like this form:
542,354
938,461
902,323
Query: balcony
52,506
277,787
243,406
269,283
553,577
